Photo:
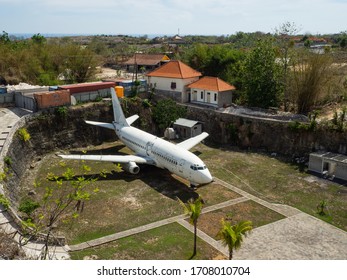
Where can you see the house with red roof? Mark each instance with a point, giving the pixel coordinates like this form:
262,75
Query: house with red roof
211,91
171,80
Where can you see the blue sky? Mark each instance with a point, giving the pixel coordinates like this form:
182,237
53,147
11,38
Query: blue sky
204,17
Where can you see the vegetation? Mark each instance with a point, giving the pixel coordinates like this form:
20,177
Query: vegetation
23,134
166,112
38,61
232,235
218,61
4,201
262,76
193,209
62,198
309,74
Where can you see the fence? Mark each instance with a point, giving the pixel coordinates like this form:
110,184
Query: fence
26,102
91,95
6,98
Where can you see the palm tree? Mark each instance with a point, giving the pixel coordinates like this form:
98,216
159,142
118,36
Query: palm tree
232,235
193,209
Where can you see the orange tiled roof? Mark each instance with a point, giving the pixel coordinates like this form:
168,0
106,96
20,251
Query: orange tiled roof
175,69
212,83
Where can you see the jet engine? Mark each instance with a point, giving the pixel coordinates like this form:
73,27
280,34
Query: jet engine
131,167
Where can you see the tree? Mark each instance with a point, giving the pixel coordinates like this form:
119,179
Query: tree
218,61
60,198
232,235
167,111
309,75
285,43
262,76
80,64
193,209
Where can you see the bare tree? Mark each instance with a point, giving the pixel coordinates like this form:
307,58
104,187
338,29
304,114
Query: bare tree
284,34
309,76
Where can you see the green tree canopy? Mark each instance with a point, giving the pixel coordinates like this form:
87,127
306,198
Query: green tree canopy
262,76
166,112
217,61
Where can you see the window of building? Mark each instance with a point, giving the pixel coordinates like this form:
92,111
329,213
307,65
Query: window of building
173,85
215,97
202,95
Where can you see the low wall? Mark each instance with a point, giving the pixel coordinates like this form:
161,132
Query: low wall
266,134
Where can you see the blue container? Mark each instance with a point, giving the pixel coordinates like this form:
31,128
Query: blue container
3,90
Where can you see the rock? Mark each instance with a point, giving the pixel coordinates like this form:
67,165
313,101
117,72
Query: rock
31,192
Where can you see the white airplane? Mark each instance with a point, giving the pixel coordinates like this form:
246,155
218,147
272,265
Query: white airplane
150,149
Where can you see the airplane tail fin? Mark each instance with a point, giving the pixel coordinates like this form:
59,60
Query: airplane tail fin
117,110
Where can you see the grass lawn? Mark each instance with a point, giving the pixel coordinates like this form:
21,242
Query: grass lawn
248,210
277,181
170,242
126,201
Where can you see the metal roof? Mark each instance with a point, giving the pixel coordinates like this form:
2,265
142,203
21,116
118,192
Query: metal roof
331,156
185,122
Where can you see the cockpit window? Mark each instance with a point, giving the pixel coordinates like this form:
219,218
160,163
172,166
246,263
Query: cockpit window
197,167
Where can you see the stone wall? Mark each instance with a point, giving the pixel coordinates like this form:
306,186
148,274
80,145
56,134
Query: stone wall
266,134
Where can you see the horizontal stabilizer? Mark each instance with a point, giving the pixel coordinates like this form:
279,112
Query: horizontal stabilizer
191,142
101,124
110,158
131,119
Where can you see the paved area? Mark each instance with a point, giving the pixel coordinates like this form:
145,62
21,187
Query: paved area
300,237
8,118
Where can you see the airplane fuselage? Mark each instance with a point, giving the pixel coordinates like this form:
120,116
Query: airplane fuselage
164,154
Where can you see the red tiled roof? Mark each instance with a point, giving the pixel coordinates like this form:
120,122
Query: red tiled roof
175,69
212,83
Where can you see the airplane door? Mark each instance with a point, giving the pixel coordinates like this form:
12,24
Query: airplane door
149,146
181,164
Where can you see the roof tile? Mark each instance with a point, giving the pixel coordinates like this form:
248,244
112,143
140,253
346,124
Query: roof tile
212,83
175,69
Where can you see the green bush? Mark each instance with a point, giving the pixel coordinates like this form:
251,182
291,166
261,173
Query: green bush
23,134
28,206
4,201
62,111
8,161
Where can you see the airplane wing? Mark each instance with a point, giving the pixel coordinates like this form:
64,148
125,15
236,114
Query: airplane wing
102,124
191,142
111,158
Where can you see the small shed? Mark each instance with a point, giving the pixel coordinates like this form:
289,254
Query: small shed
330,165
187,128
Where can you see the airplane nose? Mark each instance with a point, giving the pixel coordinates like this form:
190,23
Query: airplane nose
206,176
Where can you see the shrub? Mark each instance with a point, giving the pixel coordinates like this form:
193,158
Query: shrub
62,111
23,134
28,206
4,201
8,161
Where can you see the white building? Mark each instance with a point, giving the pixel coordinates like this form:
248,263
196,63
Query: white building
211,91
329,165
171,80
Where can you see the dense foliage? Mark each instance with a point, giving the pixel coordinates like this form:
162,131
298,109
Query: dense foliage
36,61
262,77
166,112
